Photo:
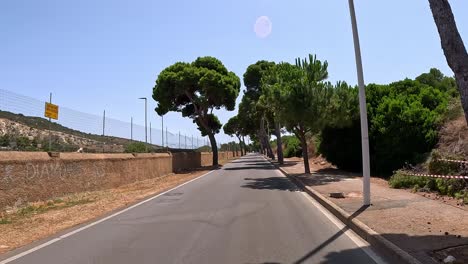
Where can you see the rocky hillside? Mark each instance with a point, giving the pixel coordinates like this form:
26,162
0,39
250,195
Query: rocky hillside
16,130
19,132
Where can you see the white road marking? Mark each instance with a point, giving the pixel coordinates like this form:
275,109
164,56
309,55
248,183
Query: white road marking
52,241
361,243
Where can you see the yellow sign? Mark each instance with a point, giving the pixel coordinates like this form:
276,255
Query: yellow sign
51,111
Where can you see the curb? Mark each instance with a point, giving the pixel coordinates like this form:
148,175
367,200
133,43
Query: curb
391,251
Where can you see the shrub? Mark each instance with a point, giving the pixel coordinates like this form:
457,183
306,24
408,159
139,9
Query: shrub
342,146
136,147
403,119
401,181
451,187
203,149
5,140
436,166
292,147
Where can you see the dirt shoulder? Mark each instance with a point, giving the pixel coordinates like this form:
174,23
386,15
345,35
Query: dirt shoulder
40,220
428,229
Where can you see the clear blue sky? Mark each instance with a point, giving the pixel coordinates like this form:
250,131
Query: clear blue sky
96,55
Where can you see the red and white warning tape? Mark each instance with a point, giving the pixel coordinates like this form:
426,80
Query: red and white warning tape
454,161
438,176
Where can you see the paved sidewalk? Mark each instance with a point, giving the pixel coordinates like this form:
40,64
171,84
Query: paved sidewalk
418,225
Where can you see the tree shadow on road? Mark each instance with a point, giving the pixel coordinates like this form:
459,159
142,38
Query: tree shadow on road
424,248
250,168
271,183
325,176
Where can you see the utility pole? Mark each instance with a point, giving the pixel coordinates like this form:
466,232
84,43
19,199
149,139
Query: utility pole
362,109
131,128
50,128
104,123
179,139
185,145
192,141
167,141
151,132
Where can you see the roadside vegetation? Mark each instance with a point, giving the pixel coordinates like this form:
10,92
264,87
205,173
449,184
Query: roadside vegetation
137,147
404,118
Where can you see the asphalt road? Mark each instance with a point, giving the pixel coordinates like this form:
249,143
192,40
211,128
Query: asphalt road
246,212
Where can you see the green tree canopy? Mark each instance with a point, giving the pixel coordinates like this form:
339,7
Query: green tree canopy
196,89
404,118
256,116
233,128
437,79
301,98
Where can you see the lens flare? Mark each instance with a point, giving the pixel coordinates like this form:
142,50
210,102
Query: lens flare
262,27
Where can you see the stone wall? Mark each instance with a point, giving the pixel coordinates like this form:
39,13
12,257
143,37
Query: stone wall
33,176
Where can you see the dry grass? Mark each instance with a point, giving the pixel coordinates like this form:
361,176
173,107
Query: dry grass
454,137
39,220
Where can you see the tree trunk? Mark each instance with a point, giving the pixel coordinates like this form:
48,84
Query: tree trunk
245,146
454,49
214,148
240,145
279,143
260,141
266,140
305,155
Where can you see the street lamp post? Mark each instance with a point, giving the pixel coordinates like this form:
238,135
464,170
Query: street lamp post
362,109
146,118
162,131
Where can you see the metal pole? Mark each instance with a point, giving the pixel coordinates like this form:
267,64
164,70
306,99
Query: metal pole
179,139
167,142
362,108
104,124
50,128
146,121
192,141
151,132
162,131
131,128
185,144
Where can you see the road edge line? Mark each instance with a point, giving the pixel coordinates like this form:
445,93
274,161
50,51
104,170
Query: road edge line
384,246
72,232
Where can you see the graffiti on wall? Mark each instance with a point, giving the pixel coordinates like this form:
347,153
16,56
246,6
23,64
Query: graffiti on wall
47,171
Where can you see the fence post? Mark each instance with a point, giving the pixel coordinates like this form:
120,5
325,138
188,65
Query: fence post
104,124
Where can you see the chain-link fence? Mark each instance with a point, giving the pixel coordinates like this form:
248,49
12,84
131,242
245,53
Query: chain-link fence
24,127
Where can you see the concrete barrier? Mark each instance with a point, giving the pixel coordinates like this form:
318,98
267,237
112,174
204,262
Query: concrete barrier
33,176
